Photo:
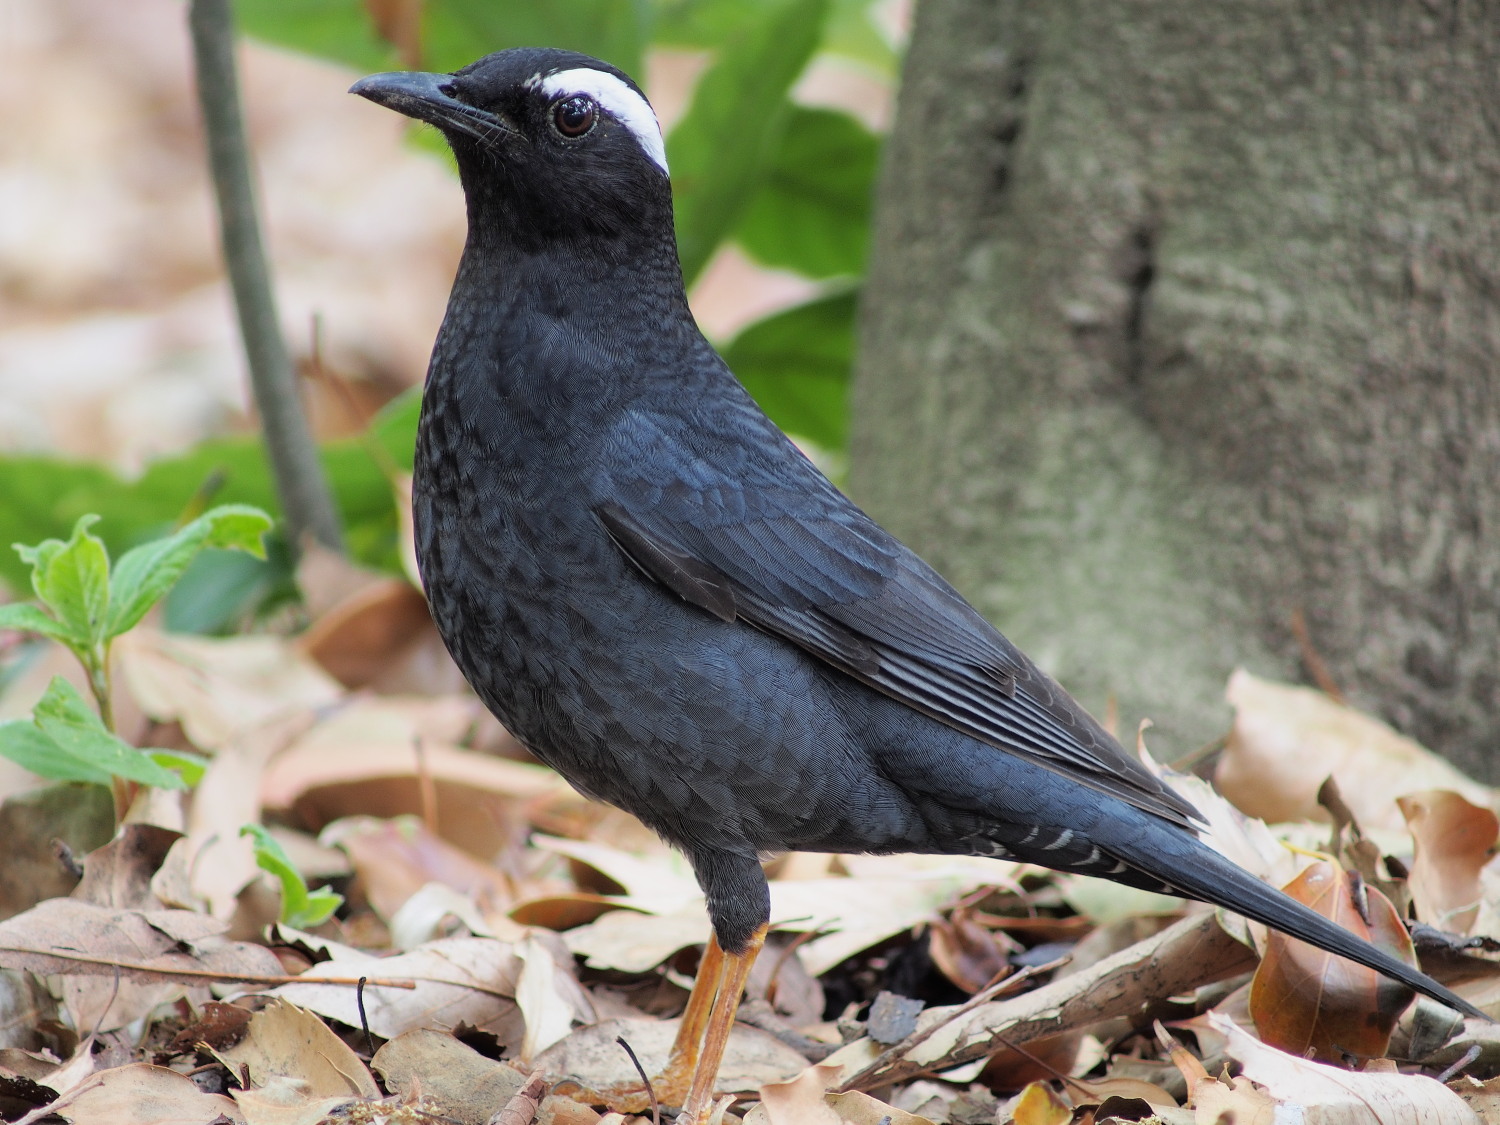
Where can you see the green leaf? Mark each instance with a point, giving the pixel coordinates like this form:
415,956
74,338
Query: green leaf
45,495
187,765
340,30
300,907
72,580
143,575
24,743
797,364
29,619
63,716
721,150
812,214
456,32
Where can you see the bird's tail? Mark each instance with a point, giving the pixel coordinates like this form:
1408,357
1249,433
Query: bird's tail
1209,877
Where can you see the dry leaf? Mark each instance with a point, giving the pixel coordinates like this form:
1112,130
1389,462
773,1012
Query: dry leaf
1278,730
459,980
592,1055
1303,998
285,1101
1330,1096
802,1100
142,1094
363,759
1037,1104
1454,841
382,638
218,688
461,1083
119,964
967,953
286,1041
632,942
396,858
549,998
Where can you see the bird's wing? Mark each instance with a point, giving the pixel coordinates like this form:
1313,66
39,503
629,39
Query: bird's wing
770,542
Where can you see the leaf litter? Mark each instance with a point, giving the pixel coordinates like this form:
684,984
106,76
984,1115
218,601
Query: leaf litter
504,927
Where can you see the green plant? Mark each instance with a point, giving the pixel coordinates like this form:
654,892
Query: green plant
85,605
300,907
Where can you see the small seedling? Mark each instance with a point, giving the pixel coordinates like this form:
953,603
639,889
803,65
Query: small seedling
301,908
85,605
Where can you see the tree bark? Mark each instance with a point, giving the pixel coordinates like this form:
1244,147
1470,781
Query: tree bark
1183,318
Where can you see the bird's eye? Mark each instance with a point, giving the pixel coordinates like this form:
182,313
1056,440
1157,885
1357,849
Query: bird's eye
574,116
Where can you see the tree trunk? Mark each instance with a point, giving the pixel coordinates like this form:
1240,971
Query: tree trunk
1182,319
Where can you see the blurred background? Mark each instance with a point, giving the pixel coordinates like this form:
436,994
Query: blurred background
1176,334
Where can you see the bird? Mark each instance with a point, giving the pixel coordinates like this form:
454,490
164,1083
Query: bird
661,597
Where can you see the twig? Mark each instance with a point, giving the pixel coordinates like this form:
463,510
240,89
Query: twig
645,1079
208,974
1316,668
300,484
522,1107
1186,955
916,1038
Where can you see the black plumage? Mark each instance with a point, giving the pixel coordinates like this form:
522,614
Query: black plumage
664,599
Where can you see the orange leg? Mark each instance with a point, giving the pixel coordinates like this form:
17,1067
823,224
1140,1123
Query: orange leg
718,975
676,1079
736,971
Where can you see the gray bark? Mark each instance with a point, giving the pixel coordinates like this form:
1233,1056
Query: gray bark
1183,318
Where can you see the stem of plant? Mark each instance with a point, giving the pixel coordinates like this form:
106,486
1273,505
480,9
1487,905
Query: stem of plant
97,665
301,486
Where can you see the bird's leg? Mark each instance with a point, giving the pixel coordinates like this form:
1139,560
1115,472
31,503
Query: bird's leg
736,971
672,1085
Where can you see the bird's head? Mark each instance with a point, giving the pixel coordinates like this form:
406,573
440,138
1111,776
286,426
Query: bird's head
549,143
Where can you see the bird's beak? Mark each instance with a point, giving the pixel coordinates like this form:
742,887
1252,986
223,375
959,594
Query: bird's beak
423,96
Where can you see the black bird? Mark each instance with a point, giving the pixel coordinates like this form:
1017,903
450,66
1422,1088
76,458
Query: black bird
661,597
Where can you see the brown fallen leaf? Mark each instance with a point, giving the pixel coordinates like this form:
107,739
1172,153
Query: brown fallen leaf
1454,841
461,1083
593,1057
286,1041
117,965
967,953
1038,1104
139,1094
395,858
119,874
1331,1096
382,638
1304,999
1279,729
218,688
458,980
801,1100
284,1101
362,760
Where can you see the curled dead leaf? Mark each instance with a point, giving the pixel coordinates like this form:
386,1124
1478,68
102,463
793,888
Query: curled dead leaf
1454,840
1278,729
1306,1000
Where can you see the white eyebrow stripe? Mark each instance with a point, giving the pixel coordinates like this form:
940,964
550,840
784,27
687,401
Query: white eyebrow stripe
618,100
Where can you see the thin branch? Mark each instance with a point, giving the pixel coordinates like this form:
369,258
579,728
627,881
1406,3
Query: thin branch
300,484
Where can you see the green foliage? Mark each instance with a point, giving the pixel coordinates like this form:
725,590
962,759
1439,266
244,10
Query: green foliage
300,907
796,364
723,148
85,606
812,215
66,741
